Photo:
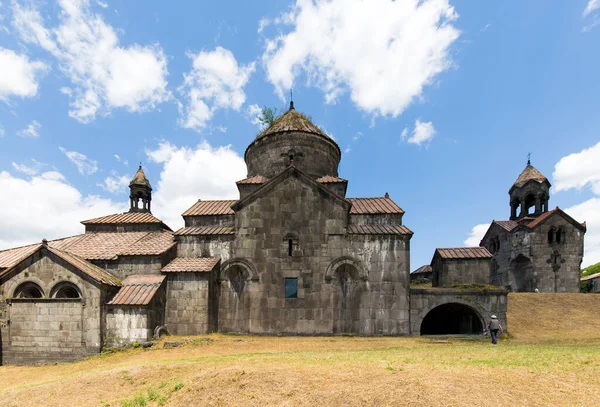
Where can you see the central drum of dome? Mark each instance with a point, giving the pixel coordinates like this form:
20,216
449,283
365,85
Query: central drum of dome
293,138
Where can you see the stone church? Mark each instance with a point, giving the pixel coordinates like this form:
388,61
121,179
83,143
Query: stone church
292,256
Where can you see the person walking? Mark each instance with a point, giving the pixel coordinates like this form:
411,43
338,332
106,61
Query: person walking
494,326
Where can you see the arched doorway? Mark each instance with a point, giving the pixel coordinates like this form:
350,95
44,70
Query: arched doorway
452,319
347,298
521,270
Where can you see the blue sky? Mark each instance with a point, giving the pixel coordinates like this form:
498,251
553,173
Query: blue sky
436,102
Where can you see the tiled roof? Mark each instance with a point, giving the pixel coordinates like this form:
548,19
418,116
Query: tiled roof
507,225
542,218
292,120
423,269
363,206
378,230
328,179
191,265
257,179
591,277
529,173
138,289
150,244
99,274
206,230
124,218
140,178
10,257
202,208
465,253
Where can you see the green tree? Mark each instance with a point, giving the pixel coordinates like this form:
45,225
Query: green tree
268,115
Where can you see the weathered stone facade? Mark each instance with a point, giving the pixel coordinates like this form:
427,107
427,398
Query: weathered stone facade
292,256
537,248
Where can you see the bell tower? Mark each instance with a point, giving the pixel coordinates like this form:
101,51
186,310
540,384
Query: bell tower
529,194
140,194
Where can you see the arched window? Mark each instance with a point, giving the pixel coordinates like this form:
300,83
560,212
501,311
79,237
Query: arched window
65,290
529,203
237,278
290,243
551,235
560,235
29,290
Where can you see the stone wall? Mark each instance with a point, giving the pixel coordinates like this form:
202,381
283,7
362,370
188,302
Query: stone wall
314,154
377,219
526,260
346,283
484,303
209,220
48,271
43,331
126,266
190,306
460,271
205,246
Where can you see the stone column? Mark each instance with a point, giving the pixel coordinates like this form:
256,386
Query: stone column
538,205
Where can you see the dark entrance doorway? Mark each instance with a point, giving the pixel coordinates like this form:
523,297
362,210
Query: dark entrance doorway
449,319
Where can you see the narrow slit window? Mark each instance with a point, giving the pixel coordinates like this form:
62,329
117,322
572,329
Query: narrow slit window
290,246
291,288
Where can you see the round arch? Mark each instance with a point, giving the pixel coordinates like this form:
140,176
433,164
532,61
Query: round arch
452,318
249,269
341,261
28,289
65,289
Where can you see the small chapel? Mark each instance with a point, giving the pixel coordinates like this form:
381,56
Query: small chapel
293,255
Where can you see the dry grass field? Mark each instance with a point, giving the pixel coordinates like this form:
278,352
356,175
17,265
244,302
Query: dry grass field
552,359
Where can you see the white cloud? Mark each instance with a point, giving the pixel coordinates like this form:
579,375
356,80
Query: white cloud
45,206
578,170
2,131
31,131
589,211
84,165
119,159
102,4
189,174
476,235
592,6
115,183
104,74
252,113
383,52
32,169
20,76
216,81
422,133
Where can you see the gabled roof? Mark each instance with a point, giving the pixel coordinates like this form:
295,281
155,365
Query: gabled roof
289,171
126,218
329,179
530,173
257,179
205,230
364,206
138,289
204,208
292,120
464,253
94,272
191,265
547,215
507,225
423,269
378,230
140,179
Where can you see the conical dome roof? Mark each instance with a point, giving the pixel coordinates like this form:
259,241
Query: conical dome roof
292,120
140,179
528,174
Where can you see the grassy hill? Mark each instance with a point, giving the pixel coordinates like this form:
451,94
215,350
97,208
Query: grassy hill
543,316
554,359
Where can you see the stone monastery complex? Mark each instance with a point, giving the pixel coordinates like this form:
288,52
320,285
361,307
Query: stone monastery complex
292,256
